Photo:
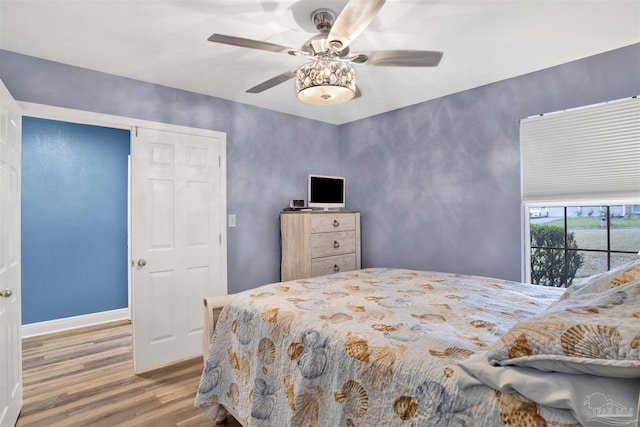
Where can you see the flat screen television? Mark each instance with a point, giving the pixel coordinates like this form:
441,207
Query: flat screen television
326,192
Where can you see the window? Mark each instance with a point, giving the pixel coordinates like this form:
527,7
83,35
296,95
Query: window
581,189
571,242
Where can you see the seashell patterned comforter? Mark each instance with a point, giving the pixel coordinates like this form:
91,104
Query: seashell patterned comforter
375,347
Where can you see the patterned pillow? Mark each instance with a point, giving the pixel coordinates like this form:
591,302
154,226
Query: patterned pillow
629,272
594,330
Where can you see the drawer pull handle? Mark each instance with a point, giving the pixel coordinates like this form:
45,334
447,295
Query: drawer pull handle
336,223
336,244
336,267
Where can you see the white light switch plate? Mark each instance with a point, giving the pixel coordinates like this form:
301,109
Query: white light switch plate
232,220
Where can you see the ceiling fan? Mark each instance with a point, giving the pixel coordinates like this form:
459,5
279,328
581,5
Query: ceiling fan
329,78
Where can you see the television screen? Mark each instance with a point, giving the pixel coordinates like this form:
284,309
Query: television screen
326,192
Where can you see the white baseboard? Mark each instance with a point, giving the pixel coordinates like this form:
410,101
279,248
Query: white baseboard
57,325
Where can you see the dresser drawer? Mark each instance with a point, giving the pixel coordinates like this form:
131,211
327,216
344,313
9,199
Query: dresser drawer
327,244
333,264
324,223
318,242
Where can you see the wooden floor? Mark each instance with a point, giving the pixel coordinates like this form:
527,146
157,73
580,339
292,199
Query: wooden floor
84,377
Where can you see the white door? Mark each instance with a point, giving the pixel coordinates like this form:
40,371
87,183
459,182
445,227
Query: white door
10,308
178,204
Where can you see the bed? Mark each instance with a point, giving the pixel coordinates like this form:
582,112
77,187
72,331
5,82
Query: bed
392,347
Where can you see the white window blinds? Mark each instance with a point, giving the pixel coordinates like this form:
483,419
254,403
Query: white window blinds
586,154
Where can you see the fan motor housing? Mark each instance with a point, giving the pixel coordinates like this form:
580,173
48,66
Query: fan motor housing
323,19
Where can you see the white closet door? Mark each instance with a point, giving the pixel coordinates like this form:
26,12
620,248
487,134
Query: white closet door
178,241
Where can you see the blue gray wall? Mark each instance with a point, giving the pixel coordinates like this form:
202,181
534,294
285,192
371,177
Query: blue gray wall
439,182
74,219
269,154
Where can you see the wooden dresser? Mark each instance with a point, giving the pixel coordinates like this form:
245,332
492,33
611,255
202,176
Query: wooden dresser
315,243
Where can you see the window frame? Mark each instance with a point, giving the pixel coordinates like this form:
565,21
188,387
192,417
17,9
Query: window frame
527,229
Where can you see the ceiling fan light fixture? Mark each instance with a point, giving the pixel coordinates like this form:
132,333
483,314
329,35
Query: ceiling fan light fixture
325,81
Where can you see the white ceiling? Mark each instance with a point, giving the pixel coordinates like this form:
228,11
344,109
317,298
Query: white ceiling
165,42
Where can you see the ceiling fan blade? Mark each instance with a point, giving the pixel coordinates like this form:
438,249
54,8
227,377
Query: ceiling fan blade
251,44
352,21
268,84
398,58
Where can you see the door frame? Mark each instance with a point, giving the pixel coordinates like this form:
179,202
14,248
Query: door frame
120,122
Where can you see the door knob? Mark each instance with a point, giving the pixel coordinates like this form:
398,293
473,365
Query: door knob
6,293
142,262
